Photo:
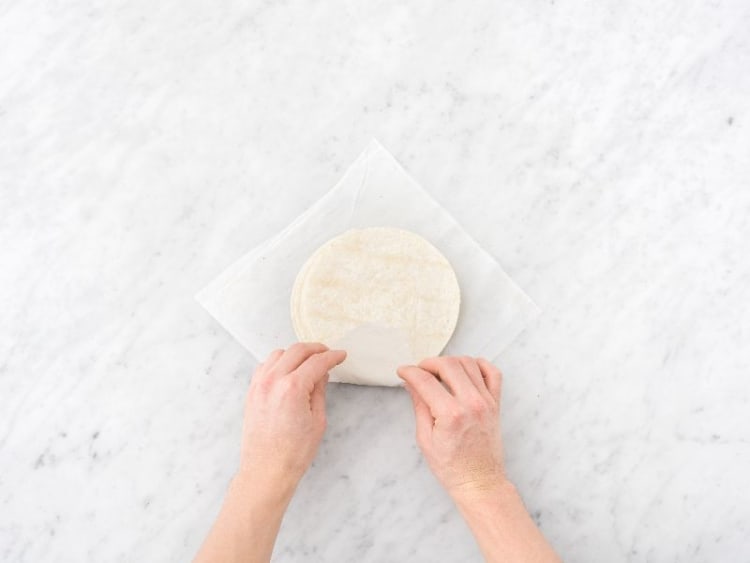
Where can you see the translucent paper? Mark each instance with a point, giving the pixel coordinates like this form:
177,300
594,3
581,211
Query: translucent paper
250,299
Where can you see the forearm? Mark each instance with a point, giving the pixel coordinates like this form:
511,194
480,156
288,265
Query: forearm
502,526
248,522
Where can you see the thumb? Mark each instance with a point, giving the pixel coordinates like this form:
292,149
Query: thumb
317,366
422,413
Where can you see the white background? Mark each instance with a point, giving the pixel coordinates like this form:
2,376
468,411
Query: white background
600,150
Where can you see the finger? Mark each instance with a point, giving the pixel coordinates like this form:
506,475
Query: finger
427,388
296,354
317,366
493,377
318,397
424,419
452,373
475,374
271,360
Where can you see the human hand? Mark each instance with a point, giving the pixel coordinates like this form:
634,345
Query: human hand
285,413
458,426
283,426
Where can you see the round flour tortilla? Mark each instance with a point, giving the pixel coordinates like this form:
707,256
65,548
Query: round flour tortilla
385,295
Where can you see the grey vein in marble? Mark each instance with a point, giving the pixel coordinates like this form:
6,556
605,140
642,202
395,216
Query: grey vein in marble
601,151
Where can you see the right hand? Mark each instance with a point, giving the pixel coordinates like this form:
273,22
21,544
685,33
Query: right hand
458,426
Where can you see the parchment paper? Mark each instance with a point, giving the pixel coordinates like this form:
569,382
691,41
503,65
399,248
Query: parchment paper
250,299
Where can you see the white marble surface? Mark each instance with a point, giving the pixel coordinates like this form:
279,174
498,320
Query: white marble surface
600,150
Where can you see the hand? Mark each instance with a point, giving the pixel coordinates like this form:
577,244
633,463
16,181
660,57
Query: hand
285,413
284,423
457,406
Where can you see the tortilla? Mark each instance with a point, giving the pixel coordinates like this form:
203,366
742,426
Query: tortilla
385,295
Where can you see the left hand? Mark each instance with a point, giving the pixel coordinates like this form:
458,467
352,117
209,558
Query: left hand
285,413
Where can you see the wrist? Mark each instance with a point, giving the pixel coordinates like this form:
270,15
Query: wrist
275,488
494,491
502,526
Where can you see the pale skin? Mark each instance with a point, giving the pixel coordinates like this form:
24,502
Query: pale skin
457,408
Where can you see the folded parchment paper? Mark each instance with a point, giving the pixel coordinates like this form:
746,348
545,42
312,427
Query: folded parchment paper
250,299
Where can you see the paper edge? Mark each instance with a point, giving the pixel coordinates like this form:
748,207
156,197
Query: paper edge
377,145
222,279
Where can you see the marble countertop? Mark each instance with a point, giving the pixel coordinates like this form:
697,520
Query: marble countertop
600,150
